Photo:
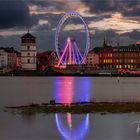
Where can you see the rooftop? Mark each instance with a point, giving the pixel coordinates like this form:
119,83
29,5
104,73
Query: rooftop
116,48
28,35
46,53
9,50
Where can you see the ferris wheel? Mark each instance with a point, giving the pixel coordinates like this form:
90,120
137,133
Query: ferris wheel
70,51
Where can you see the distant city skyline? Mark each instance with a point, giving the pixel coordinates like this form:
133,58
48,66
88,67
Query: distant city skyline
118,20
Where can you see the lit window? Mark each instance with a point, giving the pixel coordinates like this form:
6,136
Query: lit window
128,66
131,66
132,60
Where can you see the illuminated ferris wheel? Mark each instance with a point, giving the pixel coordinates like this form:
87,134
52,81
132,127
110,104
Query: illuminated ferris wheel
68,47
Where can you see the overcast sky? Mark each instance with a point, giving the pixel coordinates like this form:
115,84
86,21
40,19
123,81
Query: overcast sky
118,20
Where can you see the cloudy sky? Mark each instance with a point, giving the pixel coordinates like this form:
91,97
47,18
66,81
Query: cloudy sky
118,20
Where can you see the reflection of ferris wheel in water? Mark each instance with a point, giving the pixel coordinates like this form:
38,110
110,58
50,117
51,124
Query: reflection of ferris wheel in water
71,53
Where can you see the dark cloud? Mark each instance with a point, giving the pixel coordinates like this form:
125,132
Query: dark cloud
14,13
100,6
96,18
50,5
128,8
53,20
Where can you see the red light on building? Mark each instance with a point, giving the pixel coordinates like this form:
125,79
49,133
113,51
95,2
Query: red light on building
138,43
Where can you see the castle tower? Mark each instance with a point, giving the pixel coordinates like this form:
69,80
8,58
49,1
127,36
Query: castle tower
28,52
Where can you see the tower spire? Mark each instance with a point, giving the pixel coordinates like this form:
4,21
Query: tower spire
104,43
28,30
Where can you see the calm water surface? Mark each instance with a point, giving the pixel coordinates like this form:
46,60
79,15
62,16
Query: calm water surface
24,90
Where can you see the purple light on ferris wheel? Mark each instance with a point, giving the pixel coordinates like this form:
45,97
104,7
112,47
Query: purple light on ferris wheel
71,53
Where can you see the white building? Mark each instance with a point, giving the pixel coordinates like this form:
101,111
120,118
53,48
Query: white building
28,52
9,58
3,58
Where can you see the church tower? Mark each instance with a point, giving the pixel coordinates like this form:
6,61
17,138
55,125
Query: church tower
28,52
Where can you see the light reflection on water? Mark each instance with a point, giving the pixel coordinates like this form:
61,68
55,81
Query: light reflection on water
72,127
69,89
24,90
76,129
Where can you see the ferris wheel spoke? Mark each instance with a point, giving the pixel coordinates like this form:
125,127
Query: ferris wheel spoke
74,59
71,53
66,56
78,50
61,58
77,55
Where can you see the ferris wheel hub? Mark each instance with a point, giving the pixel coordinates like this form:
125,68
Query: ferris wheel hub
68,39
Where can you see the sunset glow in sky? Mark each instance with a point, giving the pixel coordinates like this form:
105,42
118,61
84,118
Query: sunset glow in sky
118,20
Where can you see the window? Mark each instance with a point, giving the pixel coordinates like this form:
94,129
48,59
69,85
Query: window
28,60
28,54
28,47
132,60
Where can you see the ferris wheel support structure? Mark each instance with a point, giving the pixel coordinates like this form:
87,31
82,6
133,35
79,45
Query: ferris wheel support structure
70,47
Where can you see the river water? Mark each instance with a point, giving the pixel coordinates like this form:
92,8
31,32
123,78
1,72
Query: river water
26,90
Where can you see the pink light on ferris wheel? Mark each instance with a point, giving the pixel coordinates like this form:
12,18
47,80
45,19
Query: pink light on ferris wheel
68,39
71,53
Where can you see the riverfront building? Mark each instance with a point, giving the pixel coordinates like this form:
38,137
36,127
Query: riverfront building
9,59
92,59
46,59
121,57
28,52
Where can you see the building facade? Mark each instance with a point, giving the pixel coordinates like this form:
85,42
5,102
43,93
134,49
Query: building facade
92,59
28,52
3,58
122,57
9,59
46,59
